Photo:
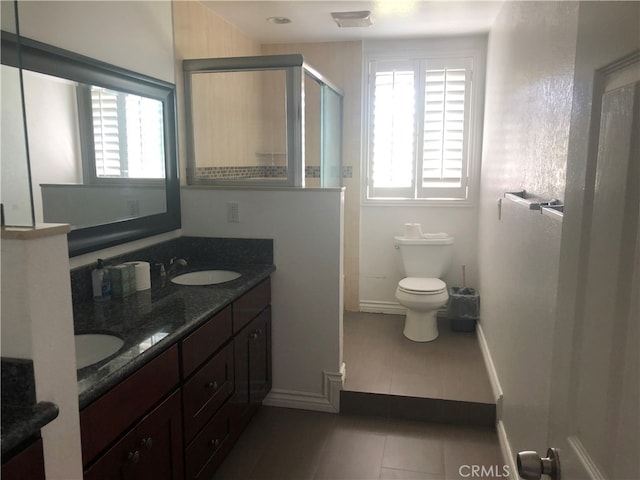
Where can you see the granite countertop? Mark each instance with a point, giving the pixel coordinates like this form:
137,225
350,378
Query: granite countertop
22,417
20,422
151,321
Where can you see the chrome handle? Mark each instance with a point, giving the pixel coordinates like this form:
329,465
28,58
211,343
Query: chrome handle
134,457
146,443
213,385
532,467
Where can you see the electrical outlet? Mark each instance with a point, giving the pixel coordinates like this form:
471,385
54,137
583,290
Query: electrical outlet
233,212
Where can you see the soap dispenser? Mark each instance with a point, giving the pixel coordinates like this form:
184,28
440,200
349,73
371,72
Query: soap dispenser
100,282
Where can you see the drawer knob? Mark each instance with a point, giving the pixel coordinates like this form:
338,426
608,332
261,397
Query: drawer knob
147,443
134,457
214,443
213,385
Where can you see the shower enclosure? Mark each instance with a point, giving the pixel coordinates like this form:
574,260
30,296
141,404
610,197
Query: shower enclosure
262,121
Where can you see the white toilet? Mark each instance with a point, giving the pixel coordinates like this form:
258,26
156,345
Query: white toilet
425,260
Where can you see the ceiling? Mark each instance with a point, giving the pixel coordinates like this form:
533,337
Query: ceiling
311,20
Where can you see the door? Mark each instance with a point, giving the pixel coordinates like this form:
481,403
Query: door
595,418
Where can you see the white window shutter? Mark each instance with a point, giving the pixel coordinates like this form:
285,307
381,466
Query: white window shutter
106,132
419,126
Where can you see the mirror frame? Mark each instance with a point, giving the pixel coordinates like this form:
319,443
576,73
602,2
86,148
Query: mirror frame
29,54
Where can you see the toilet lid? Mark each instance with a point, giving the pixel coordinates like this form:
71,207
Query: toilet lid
422,285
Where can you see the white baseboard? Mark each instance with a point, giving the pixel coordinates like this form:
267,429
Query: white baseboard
507,453
328,401
391,308
491,370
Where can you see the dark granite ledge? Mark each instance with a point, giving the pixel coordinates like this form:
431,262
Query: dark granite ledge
19,423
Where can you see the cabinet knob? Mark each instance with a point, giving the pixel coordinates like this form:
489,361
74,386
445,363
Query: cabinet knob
256,334
214,443
213,385
134,457
146,443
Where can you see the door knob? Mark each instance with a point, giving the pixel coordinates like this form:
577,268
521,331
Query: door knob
532,467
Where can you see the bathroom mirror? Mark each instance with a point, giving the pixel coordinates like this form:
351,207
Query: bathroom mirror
15,189
102,146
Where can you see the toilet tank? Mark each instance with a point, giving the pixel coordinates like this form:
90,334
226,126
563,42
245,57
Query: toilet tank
425,257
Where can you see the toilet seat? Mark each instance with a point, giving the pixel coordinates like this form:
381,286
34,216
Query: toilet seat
422,286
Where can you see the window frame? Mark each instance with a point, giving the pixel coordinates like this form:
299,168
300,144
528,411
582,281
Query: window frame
439,51
87,141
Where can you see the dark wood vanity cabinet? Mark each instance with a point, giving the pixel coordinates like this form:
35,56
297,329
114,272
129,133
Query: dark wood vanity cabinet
252,349
151,450
224,391
144,420
28,464
179,415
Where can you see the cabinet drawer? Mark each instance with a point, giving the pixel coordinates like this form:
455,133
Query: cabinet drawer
106,418
198,346
207,390
250,304
209,447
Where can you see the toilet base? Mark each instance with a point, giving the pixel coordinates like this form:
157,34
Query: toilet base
421,326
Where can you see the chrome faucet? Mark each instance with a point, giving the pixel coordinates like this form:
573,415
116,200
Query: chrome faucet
174,264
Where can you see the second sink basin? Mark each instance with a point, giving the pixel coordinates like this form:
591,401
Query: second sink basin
94,347
206,277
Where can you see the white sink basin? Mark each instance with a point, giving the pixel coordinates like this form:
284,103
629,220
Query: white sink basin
93,347
206,277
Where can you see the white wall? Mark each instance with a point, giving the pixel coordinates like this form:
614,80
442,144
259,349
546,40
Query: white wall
133,35
87,205
15,189
306,226
52,123
530,69
37,323
380,267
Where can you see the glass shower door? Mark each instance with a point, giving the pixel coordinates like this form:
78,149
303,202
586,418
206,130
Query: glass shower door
331,138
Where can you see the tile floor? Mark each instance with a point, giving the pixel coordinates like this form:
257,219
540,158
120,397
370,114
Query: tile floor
283,444
286,444
379,359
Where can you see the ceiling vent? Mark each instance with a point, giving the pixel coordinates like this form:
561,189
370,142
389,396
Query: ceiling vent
352,19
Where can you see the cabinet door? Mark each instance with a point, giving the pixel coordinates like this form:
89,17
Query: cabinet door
25,465
252,355
259,350
151,450
107,418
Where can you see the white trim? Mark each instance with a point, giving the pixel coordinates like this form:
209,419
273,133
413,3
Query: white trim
507,453
585,459
491,369
391,308
327,401
373,306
